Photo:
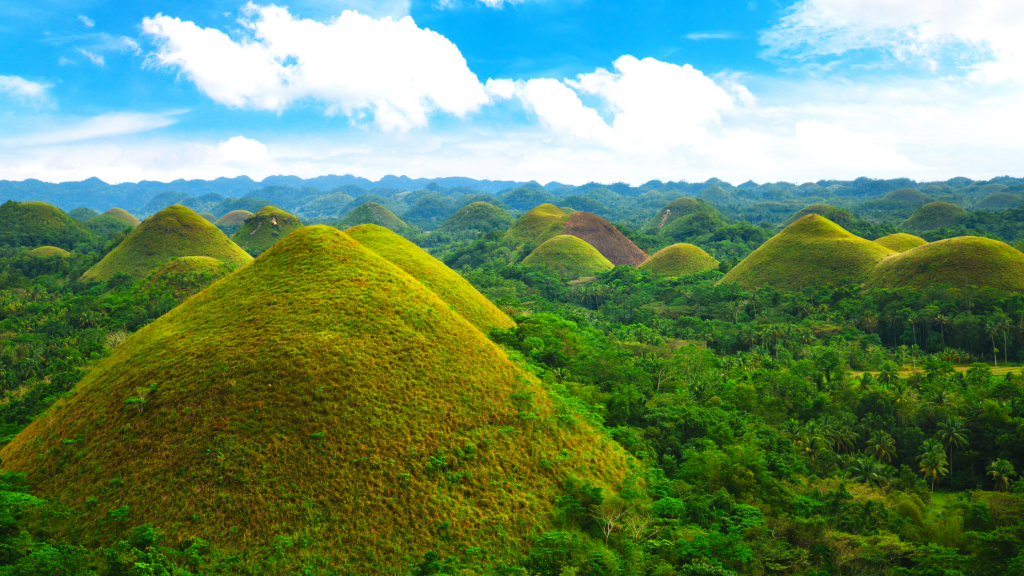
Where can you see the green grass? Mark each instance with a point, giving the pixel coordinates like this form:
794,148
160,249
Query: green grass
999,201
39,224
906,197
264,229
819,209
962,261
321,402
190,274
106,225
442,280
933,216
234,218
901,242
813,251
531,225
373,213
209,217
173,232
680,260
123,215
674,210
570,257
46,251
479,216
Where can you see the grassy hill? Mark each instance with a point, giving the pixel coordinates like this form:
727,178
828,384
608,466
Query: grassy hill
570,256
674,210
39,224
234,218
933,216
600,234
373,213
959,262
317,408
480,217
680,260
819,209
906,197
83,214
190,274
47,251
901,242
812,251
264,229
442,280
209,216
173,232
999,201
532,224
123,215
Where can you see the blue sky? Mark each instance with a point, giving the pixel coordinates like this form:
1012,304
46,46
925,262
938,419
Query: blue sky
567,90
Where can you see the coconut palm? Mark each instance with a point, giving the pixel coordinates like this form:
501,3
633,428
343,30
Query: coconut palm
932,461
992,328
953,436
881,445
1001,471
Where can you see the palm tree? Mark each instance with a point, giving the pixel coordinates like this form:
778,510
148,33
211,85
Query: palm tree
1001,471
881,445
933,461
942,320
953,436
992,328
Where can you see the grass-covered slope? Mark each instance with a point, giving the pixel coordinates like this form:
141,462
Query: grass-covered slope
532,224
209,217
173,232
901,242
234,218
480,217
442,280
264,229
123,215
999,201
83,214
680,260
39,224
933,216
374,213
819,209
674,210
600,234
317,408
570,256
47,251
813,251
190,274
962,261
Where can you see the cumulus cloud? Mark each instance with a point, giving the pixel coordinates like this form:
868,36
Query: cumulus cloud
86,21
240,150
23,89
353,64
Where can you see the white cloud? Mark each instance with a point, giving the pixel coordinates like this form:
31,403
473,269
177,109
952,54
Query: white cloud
86,21
23,89
129,45
352,64
499,4
105,125
241,151
96,59
712,35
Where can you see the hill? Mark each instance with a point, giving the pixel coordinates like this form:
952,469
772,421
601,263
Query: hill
442,280
674,210
47,251
326,206
123,215
680,260
600,234
813,251
264,229
999,201
373,213
322,396
83,214
39,224
479,217
906,197
234,218
933,216
819,209
173,232
190,274
531,225
209,217
570,257
958,262
901,242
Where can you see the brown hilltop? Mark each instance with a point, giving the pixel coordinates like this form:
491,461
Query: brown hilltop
604,236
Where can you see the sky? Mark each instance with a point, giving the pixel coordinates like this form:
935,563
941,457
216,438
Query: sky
571,91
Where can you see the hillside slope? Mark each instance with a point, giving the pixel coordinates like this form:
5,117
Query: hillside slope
680,260
264,229
123,215
479,216
374,213
532,224
933,216
900,242
570,257
674,210
39,224
959,262
599,233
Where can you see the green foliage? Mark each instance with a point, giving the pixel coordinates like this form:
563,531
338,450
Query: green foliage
264,229
373,213
933,216
479,217
33,224
570,257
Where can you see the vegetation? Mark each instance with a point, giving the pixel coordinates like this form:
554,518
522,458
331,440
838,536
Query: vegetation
680,260
373,213
933,216
676,209
999,201
570,257
48,251
264,229
123,215
83,214
531,225
600,234
901,242
480,217
965,261
232,221
173,232
33,224
187,275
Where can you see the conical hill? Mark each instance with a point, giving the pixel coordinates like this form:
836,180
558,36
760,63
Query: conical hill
264,229
234,218
482,217
39,224
190,274
442,280
680,260
570,257
813,251
674,210
933,216
121,214
959,262
901,242
532,224
173,232
47,251
322,397
374,213
601,234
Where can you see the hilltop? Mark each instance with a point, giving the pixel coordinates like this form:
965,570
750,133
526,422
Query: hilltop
532,224
813,251
906,197
933,216
189,274
320,395
900,242
264,229
442,280
675,210
570,257
374,213
600,234
39,224
959,262
123,215
819,209
173,232
234,218
999,201
47,251
481,217
680,260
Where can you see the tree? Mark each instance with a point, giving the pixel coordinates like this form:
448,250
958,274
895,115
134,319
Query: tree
992,328
953,436
881,445
932,461
1001,471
